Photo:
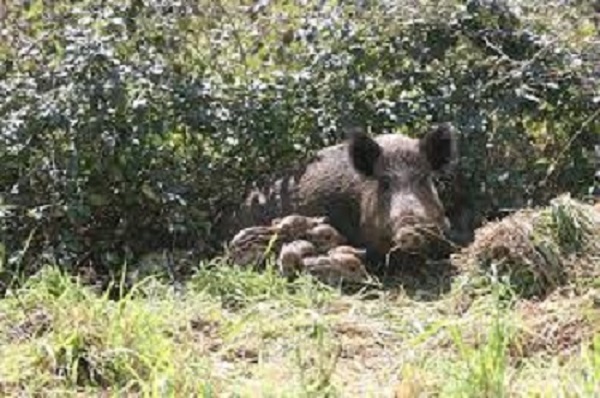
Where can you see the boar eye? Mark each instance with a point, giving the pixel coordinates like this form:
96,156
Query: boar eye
385,183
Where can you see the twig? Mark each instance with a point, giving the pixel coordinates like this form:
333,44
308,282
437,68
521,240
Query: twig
236,36
561,154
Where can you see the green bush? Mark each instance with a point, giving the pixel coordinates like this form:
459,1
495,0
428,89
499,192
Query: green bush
131,126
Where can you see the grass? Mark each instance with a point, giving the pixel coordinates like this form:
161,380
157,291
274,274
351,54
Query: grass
234,332
237,332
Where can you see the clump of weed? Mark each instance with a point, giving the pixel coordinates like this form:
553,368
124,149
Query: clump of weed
59,336
482,364
538,249
237,286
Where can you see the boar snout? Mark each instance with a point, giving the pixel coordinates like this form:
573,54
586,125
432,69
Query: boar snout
408,239
412,238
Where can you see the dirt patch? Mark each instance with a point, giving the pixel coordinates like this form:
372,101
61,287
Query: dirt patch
204,332
555,327
36,323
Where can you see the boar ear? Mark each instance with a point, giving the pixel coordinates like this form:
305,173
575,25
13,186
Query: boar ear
439,146
364,153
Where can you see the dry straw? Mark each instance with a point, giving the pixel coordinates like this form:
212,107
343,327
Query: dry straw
539,249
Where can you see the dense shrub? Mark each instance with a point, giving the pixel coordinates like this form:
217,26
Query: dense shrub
133,125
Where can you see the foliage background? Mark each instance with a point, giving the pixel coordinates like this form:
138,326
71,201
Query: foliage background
128,126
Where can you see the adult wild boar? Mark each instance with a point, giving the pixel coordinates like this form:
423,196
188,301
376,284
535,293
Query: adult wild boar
376,191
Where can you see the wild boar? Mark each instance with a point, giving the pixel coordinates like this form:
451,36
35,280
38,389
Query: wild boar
377,192
295,226
291,256
335,268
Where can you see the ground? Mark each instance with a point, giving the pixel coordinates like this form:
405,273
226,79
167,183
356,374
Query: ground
232,332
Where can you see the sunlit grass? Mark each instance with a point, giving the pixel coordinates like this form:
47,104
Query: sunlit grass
242,332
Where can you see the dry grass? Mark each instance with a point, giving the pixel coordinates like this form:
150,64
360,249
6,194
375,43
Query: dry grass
539,249
557,326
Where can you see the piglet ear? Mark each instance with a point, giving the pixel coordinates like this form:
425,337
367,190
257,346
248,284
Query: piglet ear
439,146
364,152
